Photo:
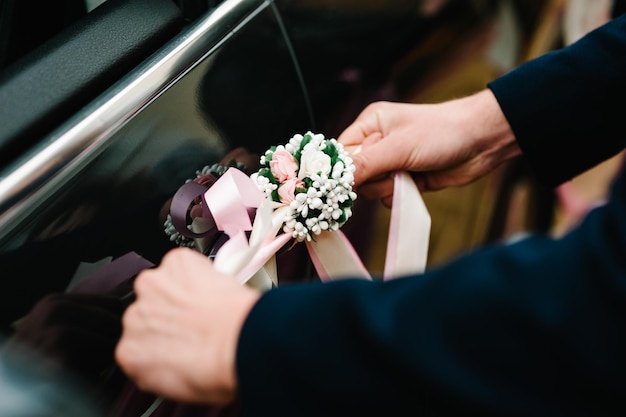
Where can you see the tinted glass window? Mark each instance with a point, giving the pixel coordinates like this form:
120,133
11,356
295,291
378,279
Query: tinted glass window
247,93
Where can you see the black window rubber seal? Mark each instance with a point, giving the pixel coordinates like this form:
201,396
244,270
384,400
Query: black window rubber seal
51,83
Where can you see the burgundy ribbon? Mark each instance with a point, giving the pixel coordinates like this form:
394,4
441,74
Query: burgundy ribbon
105,279
182,200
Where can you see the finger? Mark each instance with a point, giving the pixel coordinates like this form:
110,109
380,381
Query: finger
380,189
354,149
437,180
136,332
378,158
175,257
144,282
128,354
352,136
372,139
182,257
364,125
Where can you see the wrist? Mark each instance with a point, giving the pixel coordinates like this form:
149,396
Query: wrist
488,129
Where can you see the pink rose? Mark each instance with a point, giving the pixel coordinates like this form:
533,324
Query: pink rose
283,166
287,190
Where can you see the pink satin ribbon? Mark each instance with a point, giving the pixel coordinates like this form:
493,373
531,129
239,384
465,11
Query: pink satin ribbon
229,201
409,230
233,195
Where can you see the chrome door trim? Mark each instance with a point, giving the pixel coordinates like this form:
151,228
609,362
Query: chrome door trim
27,183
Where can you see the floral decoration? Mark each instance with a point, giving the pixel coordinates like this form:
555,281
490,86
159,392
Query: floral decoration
205,176
312,177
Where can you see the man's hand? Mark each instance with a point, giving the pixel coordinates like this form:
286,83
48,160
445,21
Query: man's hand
180,336
446,144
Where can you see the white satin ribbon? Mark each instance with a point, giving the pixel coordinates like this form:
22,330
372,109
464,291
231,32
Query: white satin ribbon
252,260
409,230
407,244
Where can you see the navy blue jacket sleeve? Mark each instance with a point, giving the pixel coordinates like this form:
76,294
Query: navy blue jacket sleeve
566,108
534,328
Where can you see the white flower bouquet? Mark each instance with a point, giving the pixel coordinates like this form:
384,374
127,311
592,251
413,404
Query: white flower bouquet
313,177
302,192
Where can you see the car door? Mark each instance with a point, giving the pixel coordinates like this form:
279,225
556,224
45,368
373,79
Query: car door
103,121
82,167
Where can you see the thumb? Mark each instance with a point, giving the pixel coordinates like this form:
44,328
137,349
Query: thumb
374,160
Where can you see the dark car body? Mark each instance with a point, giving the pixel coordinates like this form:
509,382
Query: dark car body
105,120
102,122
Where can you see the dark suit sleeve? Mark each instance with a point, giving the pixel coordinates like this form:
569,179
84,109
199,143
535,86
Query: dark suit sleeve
534,328
566,108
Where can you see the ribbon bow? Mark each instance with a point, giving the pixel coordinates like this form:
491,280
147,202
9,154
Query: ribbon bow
234,205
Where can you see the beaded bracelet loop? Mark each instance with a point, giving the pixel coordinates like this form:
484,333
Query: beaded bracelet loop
217,170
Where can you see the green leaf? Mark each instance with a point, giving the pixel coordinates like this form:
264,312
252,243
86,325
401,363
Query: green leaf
314,213
331,150
266,172
305,141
